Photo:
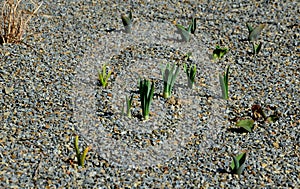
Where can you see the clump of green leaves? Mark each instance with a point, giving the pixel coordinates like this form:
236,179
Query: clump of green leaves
80,155
253,36
257,115
185,32
146,95
127,22
103,76
219,52
191,74
237,165
169,76
128,106
224,83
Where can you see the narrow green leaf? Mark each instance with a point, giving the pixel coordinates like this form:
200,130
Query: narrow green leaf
258,47
83,156
250,29
247,124
223,86
234,164
193,28
76,147
238,163
256,32
184,33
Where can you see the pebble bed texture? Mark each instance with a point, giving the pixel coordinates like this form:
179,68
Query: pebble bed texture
50,93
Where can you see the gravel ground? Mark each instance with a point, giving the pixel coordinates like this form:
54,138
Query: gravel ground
49,93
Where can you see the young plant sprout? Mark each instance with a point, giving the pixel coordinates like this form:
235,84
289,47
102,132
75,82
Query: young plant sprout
191,74
185,32
224,83
103,76
219,52
169,77
128,106
237,165
146,95
253,36
127,22
256,48
254,32
80,156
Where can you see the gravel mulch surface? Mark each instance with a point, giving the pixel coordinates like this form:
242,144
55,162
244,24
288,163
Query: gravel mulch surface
49,93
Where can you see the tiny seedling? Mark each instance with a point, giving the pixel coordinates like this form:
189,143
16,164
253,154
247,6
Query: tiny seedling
219,52
246,124
127,22
254,32
80,156
103,76
191,74
128,106
253,36
224,83
169,77
146,95
237,165
256,48
185,32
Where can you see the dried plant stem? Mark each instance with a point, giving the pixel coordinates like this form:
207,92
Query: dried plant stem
14,22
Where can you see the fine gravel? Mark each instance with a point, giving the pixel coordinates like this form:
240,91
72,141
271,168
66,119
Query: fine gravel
50,93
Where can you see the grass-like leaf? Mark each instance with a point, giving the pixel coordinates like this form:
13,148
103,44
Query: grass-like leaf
129,105
103,76
185,32
146,95
127,22
255,32
237,165
80,156
256,48
246,124
169,76
219,52
191,74
224,83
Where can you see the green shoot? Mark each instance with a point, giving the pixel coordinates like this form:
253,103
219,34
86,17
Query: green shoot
128,105
187,55
127,22
253,35
246,124
185,32
80,156
103,76
256,48
169,76
224,83
237,165
254,32
191,74
146,96
219,52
